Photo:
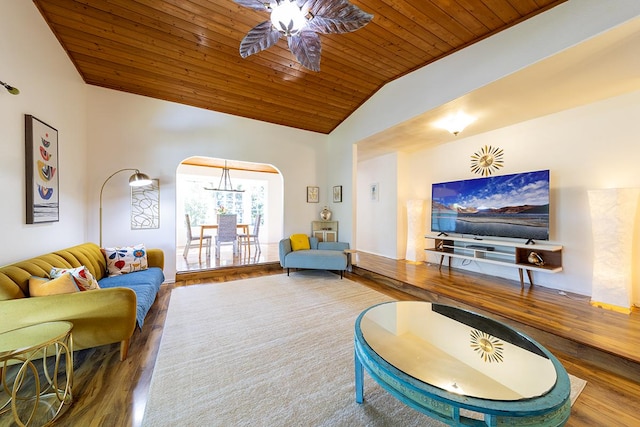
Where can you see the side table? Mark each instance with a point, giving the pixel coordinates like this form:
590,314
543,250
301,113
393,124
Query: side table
350,253
37,372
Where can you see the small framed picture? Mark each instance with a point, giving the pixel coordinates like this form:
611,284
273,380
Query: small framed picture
374,192
337,194
313,194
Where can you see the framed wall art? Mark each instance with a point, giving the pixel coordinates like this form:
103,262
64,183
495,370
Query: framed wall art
42,184
374,192
337,194
145,206
313,194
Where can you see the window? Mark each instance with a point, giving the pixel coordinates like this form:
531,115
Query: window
203,205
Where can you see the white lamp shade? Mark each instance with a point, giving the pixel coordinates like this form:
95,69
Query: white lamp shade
139,179
613,213
415,231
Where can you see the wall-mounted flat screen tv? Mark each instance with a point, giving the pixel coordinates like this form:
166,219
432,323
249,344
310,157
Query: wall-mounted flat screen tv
515,206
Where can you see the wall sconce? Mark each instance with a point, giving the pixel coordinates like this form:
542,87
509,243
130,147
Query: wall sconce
12,90
455,123
138,179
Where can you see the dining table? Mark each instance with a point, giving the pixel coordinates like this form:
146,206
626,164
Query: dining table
243,227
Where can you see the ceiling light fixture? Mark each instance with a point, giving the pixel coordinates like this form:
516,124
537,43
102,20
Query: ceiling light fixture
301,21
455,123
225,182
12,90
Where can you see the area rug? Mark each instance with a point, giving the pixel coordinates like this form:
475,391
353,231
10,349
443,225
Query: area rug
268,351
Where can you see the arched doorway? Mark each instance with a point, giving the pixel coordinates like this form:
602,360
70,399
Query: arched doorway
208,186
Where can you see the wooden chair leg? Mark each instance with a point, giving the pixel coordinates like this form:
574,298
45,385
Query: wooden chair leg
124,349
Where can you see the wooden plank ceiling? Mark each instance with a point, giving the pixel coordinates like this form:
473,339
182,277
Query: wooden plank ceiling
186,51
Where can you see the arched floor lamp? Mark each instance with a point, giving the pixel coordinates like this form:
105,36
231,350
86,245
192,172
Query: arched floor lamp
138,179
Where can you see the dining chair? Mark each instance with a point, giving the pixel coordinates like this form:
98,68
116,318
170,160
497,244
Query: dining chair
227,233
194,242
247,239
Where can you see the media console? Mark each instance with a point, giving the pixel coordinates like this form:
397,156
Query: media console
525,257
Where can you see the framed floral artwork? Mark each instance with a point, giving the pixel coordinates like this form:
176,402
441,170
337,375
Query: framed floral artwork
337,194
313,194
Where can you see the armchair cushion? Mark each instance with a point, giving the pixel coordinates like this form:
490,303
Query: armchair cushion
299,242
145,284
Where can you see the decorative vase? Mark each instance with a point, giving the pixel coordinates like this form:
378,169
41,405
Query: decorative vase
325,214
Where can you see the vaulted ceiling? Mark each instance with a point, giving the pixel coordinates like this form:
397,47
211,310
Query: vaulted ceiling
186,51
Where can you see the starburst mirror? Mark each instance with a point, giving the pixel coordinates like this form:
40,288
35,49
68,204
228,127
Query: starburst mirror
301,22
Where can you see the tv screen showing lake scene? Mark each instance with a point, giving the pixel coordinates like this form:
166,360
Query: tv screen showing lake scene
515,206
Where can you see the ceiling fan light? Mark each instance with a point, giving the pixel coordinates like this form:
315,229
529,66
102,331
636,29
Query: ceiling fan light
288,18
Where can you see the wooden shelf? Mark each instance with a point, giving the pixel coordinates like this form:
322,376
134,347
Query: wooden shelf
325,231
499,252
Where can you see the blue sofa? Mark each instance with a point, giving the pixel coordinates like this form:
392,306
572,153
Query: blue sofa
321,256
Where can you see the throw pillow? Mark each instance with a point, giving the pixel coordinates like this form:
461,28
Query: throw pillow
41,286
83,277
126,259
299,241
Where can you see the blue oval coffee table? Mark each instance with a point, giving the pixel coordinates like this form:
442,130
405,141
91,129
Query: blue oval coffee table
459,367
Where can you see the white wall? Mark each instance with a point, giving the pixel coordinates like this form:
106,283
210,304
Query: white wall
377,220
51,90
130,131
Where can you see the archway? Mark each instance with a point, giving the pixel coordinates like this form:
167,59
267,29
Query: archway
206,186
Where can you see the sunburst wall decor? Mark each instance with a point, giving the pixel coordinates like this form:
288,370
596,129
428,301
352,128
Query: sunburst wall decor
490,348
487,160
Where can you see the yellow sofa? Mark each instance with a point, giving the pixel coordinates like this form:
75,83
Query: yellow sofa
99,317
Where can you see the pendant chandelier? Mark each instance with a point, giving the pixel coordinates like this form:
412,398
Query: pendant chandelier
300,21
225,182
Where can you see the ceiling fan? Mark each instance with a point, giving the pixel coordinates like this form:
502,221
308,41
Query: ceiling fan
301,21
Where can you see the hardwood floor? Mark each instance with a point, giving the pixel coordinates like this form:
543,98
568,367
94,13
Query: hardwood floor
112,393
195,263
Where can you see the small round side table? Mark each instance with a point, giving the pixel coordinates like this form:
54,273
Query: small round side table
37,397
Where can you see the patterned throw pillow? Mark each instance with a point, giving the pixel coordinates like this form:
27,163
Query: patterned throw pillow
299,241
126,259
83,277
41,286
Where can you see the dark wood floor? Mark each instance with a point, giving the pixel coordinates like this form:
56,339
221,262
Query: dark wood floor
113,393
